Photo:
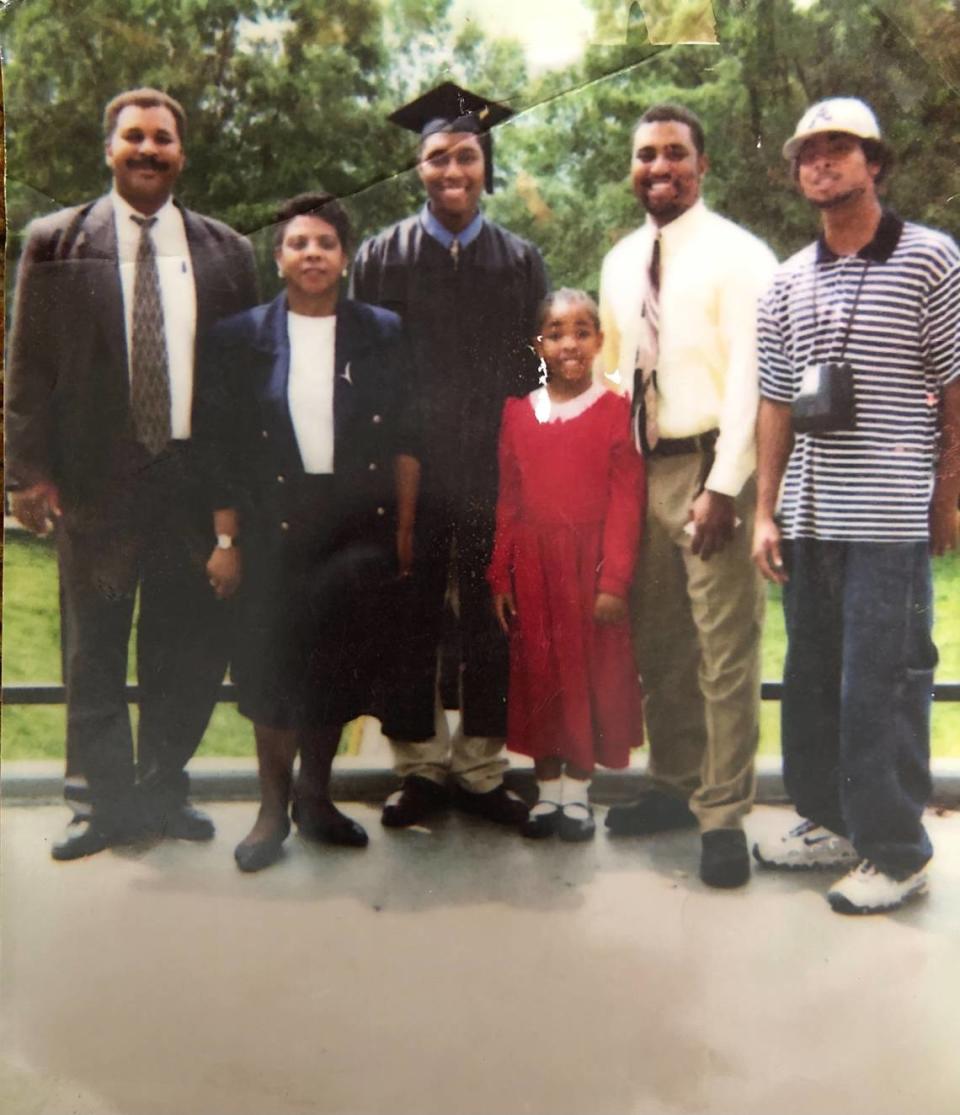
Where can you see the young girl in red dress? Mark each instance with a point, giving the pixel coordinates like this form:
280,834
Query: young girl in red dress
568,525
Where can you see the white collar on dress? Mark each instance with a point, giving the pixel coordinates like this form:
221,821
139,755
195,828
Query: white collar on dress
547,410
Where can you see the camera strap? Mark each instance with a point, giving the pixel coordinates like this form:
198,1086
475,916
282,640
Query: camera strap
853,310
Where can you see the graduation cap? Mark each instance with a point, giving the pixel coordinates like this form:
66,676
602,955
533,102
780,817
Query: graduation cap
448,108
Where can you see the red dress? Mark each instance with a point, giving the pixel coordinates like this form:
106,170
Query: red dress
568,524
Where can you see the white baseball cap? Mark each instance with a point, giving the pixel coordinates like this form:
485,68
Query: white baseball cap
837,114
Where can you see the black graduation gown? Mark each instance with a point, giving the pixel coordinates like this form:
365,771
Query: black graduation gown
470,323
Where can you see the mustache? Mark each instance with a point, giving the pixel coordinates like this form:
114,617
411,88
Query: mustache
147,162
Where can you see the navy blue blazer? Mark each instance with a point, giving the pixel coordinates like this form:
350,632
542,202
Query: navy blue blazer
243,429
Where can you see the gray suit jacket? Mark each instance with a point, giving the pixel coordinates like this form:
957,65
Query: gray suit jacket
67,394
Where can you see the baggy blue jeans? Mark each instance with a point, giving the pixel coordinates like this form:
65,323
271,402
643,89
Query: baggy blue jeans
857,688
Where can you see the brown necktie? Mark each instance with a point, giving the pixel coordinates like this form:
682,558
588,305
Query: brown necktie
149,375
646,431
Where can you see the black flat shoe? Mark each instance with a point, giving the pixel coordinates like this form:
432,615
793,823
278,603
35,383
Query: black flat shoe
577,823
262,853
342,831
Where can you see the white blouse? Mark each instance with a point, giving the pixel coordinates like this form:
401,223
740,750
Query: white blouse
310,388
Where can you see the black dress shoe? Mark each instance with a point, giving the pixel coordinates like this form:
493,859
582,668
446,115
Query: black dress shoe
262,853
85,836
724,861
577,823
499,805
538,826
342,831
418,799
186,822
654,812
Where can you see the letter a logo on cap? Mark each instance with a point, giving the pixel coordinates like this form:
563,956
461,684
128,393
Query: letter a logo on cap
821,115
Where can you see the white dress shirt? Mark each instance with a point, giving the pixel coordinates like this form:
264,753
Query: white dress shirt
177,294
712,274
310,388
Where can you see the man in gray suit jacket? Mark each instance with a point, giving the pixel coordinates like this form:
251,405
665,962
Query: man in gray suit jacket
112,298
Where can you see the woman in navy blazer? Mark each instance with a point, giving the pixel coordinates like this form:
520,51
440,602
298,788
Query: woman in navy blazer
305,415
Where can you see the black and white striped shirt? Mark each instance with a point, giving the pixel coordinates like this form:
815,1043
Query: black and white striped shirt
871,484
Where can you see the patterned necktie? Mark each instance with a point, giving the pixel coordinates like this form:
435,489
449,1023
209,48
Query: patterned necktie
149,376
455,252
646,431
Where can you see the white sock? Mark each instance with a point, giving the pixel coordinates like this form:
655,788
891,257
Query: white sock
576,791
550,798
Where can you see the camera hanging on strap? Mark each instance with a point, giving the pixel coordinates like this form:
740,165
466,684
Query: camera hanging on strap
827,399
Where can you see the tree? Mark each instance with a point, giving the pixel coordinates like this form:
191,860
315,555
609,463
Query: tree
287,95
281,96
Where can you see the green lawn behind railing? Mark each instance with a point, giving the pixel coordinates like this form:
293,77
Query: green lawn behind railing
31,646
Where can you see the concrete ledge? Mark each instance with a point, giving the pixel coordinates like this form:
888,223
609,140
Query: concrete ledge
31,782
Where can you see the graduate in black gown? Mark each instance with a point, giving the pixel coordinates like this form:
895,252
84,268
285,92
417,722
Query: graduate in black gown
467,291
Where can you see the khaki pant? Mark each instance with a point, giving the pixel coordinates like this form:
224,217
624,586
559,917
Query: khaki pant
477,762
697,636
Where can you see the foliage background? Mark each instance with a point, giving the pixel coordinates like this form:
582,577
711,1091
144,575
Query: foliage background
288,95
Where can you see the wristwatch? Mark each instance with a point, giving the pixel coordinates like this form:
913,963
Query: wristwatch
226,542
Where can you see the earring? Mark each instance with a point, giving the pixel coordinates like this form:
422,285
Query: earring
279,272
544,375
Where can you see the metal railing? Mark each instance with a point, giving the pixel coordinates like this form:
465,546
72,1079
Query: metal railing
56,694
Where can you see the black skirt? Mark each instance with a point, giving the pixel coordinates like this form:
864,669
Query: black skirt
313,636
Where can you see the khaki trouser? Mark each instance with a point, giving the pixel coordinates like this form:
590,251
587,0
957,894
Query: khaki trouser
477,762
697,628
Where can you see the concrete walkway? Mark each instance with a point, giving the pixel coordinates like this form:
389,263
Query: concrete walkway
463,971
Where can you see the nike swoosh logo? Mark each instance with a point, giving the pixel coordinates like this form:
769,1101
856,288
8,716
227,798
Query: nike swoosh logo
811,840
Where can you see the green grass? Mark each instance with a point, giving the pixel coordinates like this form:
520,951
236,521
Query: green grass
31,646
31,654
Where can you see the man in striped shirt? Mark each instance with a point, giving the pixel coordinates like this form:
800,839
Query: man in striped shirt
873,303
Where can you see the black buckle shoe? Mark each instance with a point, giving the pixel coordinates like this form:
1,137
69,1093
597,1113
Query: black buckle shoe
577,823
724,860
538,826
416,800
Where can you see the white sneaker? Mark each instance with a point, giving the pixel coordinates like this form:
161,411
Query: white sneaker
867,890
807,846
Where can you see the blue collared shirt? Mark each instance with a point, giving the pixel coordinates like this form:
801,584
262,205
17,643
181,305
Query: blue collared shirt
435,229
